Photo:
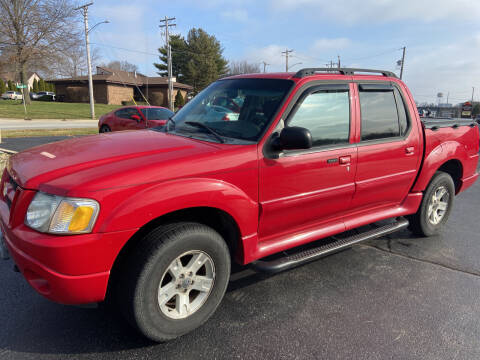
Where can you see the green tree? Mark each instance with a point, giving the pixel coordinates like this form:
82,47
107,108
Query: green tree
179,57
3,87
41,85
35,85
179,100
10,86
196,61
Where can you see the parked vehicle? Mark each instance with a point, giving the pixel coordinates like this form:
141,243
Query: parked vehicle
12,95
153,219
134,118
43,96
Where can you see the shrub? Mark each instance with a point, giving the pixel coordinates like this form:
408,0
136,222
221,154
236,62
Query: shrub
179,100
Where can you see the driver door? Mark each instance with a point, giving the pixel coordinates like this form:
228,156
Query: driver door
303,189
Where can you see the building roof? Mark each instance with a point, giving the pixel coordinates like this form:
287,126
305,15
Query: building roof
12,75
122,77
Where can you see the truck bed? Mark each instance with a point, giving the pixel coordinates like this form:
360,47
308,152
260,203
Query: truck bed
437,123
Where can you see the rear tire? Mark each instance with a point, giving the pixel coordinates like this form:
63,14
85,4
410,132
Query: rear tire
163,290
436,206
105,129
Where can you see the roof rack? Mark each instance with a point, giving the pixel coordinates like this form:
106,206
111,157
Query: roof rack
344,71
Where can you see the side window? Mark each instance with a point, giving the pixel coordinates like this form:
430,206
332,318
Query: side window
327,115
121,114
402,113
379,115
165,114
127,113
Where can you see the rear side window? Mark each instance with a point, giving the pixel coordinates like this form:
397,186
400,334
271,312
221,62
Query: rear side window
379,115
327,115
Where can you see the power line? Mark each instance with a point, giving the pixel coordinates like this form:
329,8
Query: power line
372,56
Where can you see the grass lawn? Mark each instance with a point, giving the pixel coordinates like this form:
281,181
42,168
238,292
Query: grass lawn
51,110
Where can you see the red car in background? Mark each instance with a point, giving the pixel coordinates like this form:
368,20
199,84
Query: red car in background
134,118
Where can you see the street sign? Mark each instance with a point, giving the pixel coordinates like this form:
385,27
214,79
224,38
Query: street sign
20,86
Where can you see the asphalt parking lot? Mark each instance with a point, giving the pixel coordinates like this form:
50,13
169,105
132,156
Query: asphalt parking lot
399,297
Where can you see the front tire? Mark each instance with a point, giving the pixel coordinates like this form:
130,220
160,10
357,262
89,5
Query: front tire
174,280
436,206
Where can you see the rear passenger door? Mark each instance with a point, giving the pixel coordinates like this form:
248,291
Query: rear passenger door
389,148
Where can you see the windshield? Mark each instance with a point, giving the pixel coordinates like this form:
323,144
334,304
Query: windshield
156,113
235,108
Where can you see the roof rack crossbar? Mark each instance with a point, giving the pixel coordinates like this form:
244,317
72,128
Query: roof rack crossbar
344,71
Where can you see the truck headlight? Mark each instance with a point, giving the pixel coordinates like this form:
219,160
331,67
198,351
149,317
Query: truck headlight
61,215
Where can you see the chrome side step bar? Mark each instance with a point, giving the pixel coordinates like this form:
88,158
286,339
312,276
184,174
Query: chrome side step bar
303,257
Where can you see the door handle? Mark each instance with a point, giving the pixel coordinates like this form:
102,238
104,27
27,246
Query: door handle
345,160
410,150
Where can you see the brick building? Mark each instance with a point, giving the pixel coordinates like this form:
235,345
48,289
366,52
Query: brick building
114,86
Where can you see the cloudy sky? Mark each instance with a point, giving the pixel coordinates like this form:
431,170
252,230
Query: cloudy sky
442,36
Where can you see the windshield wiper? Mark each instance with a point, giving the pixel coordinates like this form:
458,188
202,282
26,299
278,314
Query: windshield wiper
170,118
206,127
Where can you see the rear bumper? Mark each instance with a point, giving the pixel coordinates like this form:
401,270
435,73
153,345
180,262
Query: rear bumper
64,289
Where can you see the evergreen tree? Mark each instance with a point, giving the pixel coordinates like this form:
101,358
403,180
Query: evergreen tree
179,57
41,85
3,87
206,63
11,86
196,61
179,100
35,85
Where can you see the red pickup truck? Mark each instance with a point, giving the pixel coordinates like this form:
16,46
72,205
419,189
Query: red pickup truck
153,218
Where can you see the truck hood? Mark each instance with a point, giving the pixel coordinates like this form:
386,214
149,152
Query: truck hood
83,161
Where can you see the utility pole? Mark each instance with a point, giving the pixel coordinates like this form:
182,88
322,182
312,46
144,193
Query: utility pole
338,61
473,92
265,66
286,52
89,61
403,61
166,25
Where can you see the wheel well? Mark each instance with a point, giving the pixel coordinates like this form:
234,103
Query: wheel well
455,169
217,219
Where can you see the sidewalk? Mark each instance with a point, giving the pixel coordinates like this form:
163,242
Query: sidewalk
19,124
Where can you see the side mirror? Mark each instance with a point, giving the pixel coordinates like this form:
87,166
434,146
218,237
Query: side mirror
293,138
136,118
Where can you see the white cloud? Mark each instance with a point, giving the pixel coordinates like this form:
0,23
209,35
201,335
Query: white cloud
129,15
236,15
380,11
272,54
326,44
433,69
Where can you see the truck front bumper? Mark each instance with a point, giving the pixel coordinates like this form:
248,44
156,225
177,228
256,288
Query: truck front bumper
64,289
66,269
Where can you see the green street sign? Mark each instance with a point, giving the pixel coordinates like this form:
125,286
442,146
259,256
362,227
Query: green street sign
21,86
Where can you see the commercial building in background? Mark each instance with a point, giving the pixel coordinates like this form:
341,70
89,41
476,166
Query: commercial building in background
116,87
